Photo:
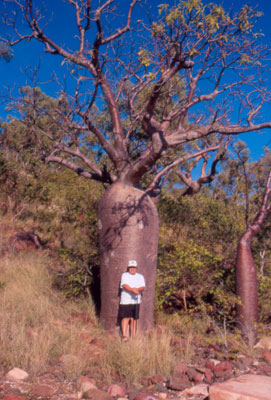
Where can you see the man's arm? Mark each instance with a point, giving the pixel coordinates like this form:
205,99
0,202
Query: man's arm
130,289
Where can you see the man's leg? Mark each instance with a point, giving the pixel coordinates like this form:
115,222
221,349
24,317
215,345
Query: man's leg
133,326
124,326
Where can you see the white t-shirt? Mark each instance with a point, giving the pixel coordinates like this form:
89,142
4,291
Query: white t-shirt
134,281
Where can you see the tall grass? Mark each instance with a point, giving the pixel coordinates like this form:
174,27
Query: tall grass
141,357
34,319
37,327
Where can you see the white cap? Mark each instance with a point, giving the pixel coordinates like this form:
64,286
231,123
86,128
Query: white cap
132,263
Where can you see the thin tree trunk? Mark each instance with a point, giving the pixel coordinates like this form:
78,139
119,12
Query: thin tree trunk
246,289
128,229
246,272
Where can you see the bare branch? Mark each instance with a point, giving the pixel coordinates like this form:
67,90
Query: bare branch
194,187
178,161
76,168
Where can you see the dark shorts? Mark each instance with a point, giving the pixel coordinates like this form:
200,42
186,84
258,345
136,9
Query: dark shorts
128,311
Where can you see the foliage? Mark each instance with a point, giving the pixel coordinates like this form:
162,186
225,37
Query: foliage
135,107
182,270
198,238
205,218
264,296
6,53
51,201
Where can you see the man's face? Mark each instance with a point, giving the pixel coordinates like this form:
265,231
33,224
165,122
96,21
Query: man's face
132,270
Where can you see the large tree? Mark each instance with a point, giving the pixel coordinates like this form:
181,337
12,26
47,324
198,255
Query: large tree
149,95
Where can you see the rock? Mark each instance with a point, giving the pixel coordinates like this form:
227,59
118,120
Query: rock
11,396
96,394
224,366
200,369
156,379
17,374
201,389
247,387
267,356
178,383
133,393
242,364
160,387
209,376
42,391
211,364
264,343
191,372
117,390
266,369
24,241
85,384
180,368
198,377
147,396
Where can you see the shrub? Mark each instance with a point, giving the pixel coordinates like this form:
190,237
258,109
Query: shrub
190,278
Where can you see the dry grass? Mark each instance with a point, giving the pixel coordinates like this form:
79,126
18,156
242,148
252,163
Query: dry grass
37,327
141,357
34,319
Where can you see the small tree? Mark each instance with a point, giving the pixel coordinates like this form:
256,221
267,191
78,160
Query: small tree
139,108
245,267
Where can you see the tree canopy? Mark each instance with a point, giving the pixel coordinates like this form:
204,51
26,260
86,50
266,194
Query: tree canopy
136,99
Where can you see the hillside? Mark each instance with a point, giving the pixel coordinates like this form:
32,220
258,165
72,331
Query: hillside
58,342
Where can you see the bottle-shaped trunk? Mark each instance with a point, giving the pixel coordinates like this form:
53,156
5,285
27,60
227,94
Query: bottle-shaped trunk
128,229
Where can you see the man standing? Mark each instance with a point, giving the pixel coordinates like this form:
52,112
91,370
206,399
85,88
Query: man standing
132,285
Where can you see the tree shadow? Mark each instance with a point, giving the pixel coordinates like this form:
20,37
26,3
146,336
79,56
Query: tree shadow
124,211
95,288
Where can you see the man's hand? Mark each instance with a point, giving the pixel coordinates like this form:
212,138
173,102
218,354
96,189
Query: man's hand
132,290
138,290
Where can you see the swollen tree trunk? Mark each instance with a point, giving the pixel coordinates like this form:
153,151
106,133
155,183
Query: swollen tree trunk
246,288
246,272
128,229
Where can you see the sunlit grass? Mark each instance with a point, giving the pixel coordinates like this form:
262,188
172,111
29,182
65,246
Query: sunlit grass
140,357
39,326
35,323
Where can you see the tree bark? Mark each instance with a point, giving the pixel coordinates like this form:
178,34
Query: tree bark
246,271
128,229
246,289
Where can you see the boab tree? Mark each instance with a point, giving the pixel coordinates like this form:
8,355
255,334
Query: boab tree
145,93
245,267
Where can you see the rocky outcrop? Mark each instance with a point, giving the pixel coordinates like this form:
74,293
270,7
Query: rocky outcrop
20,241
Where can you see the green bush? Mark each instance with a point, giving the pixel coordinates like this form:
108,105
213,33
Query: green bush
190,278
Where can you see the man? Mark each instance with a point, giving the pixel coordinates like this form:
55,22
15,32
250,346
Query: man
132,285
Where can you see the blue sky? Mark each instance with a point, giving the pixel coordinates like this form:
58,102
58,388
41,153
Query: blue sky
14,74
